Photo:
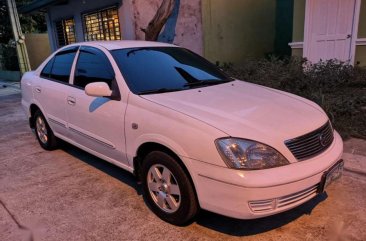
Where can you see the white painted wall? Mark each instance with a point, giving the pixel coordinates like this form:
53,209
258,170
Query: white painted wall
189,24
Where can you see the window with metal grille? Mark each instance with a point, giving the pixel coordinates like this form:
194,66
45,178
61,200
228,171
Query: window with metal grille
65,31
102,25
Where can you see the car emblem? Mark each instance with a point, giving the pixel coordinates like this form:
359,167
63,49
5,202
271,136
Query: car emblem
322,139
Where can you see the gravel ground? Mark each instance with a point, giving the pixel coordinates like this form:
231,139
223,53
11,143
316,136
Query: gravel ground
68,194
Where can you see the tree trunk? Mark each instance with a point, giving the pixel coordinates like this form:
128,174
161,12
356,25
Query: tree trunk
156,24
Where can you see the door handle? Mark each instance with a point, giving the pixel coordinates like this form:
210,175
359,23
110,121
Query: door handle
38,89
71,100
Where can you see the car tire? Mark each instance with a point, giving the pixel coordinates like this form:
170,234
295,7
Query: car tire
168,190
44,134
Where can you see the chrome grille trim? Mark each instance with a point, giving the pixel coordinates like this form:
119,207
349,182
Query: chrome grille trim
295,197
311,144
269,205
262,205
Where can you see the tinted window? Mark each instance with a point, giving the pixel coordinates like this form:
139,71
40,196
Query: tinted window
46,72
156,68
92,66
62,65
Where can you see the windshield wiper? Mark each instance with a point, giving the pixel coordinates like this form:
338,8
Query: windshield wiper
156,91
206,83
193,81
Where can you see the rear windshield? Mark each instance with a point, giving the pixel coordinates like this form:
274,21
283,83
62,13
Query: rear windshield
165,68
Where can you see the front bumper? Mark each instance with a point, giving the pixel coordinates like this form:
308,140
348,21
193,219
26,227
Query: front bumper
255,194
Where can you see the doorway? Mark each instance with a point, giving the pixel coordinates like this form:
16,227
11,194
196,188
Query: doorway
331,29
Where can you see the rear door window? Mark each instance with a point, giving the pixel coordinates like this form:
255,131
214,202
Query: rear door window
59,67
62,64
46,72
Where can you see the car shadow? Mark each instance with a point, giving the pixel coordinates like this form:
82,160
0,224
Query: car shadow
104,166
216,222
236,227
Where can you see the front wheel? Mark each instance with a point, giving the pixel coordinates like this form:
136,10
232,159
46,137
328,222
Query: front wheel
167,189
44,134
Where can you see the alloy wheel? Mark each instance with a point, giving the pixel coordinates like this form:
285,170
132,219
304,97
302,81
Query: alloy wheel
163,188
41,130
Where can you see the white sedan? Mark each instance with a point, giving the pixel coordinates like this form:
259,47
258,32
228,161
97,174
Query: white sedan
193,136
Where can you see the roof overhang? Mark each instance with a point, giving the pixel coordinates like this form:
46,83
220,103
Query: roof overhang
39,5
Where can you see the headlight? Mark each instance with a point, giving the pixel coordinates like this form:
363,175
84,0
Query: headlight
245,154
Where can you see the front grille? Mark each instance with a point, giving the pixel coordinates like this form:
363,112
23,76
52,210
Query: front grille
311,144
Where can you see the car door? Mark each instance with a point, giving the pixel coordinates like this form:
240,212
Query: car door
96,123
51,87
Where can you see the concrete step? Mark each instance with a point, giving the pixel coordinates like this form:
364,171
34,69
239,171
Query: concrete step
355,146
355,163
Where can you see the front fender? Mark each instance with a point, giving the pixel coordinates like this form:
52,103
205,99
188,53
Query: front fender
146,121
158,139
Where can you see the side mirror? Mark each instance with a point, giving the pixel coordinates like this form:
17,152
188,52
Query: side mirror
98,89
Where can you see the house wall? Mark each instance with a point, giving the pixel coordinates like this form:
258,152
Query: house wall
237,30
299,21
10,75
362,21
75,9
283,30
298,27
297,52
360,57
185,26
38,48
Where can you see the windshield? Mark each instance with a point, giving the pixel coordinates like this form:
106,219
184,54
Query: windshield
163,69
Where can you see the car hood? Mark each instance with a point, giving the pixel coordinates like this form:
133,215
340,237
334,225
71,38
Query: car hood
246,110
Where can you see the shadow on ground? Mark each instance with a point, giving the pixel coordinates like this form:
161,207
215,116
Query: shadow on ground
104,166
218,223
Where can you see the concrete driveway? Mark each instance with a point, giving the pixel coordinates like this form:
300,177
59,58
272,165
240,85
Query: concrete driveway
68,194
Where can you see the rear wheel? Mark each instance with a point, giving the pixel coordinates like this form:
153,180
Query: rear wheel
167,189
44,134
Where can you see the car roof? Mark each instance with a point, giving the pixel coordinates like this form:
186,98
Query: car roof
109,45
122,44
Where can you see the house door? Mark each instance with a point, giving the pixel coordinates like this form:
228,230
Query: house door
329,29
